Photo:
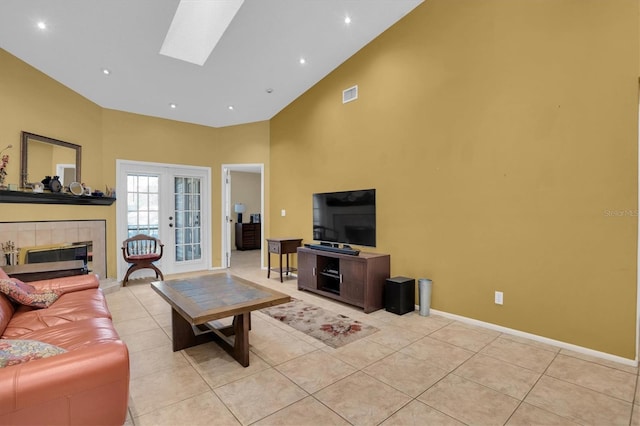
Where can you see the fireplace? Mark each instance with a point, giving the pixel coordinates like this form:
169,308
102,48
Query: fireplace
47,241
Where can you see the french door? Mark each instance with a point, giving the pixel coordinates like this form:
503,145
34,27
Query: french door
168,202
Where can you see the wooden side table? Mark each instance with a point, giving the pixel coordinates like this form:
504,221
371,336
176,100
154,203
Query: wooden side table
282,246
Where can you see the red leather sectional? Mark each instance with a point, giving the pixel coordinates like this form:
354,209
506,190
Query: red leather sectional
88,384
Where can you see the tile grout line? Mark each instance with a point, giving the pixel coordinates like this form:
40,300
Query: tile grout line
531,389
396,350
540,375
588,388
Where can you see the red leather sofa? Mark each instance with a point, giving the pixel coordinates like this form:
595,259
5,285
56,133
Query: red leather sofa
87,383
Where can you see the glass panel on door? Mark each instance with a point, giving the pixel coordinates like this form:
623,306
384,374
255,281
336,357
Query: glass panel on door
188,231
142,205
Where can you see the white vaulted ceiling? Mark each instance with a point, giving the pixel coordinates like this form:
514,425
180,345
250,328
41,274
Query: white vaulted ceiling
255,67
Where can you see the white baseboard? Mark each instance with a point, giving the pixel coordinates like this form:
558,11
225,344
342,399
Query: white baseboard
535,337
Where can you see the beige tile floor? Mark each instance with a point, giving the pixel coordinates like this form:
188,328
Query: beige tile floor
414,371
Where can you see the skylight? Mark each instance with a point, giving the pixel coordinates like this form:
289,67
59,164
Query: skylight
197,27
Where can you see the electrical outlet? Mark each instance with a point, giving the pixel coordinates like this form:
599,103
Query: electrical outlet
498,298
283,212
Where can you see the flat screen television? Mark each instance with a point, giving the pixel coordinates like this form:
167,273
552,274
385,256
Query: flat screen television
347,217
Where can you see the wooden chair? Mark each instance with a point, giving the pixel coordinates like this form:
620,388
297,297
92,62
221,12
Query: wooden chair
141,251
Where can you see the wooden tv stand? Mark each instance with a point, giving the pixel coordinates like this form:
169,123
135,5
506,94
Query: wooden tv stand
356,280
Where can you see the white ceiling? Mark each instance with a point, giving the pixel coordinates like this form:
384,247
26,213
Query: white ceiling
260,50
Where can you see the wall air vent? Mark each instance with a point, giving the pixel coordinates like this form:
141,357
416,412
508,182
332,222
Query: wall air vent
350,94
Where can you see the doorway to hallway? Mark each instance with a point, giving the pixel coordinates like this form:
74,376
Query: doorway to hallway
242,199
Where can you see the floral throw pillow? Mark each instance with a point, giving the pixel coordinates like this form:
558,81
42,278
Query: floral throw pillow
26,294
13,352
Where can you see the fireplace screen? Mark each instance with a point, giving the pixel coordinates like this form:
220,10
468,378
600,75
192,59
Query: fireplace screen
58,254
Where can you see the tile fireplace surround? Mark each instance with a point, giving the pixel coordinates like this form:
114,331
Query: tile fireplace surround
46,233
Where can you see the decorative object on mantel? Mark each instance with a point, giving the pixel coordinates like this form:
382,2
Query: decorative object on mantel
4,162
109,192
76,188
38,187
55,185
52,183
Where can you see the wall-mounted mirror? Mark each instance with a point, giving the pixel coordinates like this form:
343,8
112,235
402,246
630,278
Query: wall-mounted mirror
42,156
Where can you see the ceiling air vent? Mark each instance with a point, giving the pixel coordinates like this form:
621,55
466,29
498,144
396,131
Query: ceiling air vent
350,94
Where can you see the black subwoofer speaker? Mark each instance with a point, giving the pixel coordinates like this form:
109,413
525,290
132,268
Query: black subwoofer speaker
400,295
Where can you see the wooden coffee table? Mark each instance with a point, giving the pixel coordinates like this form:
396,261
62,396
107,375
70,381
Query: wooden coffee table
196,302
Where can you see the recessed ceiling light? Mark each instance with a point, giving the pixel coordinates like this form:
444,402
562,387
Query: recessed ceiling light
303,61
42,25
173,106
106,71
230,107
347,20
269,90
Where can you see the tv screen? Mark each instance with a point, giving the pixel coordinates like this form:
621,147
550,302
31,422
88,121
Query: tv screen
347,217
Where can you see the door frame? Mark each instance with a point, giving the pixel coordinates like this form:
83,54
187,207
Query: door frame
226,215
205,218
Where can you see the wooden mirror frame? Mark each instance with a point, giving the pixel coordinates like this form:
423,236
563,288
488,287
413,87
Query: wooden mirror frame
24,154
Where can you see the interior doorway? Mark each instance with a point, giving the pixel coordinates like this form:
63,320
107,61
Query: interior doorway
242,198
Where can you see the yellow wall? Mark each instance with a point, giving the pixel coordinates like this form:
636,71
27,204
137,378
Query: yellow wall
136,137
501,137
33,102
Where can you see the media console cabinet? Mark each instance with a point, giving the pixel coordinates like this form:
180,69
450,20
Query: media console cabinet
356,280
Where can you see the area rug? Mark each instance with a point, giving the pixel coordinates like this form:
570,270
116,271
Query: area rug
333,329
